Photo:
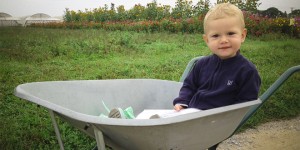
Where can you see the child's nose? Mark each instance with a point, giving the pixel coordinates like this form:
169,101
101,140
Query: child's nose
224,39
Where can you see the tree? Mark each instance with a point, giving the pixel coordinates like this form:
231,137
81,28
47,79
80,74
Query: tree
252,5
183,9
122,15
201,7
272,12
245,5
295,13
112,12
151,11
67,16
136,13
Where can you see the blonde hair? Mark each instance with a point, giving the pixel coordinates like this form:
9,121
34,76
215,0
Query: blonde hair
221,11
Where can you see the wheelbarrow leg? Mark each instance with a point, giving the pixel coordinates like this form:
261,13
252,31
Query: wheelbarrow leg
61,145
213,147
99,139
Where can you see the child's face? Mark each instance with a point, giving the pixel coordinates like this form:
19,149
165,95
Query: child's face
224,36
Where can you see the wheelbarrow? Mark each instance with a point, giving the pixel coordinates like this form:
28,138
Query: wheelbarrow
80,103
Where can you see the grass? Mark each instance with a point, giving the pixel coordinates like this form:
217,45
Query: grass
35,54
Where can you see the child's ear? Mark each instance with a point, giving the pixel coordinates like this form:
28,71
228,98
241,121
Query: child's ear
204,36
244,34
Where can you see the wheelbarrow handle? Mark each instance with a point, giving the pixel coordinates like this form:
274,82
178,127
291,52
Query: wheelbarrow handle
268,93
279,82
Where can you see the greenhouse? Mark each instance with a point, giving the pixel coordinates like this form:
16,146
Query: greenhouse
8,20
40,18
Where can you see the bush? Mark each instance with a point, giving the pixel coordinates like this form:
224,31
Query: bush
154,18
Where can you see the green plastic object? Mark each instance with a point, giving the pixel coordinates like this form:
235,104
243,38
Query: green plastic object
128,112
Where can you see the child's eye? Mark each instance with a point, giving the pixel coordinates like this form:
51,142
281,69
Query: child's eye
231,33
215,35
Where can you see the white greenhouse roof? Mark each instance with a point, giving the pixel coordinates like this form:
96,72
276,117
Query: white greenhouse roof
41,16
5,16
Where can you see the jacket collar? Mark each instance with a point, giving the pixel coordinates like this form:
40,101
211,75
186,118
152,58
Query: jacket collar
232,59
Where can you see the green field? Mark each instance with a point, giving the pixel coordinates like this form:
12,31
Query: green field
36,54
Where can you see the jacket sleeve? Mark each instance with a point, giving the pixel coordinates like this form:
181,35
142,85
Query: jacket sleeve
249,86
189,87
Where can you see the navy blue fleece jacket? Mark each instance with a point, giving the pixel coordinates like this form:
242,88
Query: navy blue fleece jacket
214,83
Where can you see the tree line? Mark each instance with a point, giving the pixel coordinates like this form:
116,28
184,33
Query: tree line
152,11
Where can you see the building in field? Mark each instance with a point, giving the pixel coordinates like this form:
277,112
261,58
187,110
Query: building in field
40,18
8,20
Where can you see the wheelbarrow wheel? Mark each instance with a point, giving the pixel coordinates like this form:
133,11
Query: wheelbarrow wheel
213,147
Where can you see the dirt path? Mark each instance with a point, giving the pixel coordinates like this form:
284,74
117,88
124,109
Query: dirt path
276,135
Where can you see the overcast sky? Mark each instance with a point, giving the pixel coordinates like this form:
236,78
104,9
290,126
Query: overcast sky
19,8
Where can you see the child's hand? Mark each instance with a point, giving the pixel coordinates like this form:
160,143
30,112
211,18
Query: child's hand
178,107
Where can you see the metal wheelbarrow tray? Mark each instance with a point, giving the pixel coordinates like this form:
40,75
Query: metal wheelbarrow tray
80,104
